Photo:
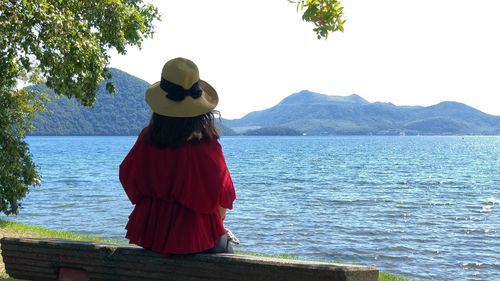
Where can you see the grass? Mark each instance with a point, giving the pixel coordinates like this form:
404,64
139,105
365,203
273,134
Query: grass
279,256
16,229
387,277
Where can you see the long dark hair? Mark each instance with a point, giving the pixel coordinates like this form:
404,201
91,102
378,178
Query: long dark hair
171,132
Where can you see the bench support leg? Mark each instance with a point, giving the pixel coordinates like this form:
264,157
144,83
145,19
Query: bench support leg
68,274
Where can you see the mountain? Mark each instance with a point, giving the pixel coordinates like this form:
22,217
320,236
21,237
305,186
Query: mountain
317,114
125,113
122,113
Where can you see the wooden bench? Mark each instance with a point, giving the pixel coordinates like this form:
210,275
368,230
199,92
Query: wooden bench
55,259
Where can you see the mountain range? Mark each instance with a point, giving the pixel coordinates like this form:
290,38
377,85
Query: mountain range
125,113
317,114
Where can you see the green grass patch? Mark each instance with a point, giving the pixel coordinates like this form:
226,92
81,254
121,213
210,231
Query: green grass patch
24,230
388,277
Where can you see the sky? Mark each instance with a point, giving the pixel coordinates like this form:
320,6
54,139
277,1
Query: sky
255,53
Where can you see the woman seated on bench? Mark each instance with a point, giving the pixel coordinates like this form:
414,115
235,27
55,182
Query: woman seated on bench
175,174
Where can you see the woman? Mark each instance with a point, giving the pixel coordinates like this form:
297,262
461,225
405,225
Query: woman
175,174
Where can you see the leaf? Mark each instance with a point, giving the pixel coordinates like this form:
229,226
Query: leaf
110,87
326,15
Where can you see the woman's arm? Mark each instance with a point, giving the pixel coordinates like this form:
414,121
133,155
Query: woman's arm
222,212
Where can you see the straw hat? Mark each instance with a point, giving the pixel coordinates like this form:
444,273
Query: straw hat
181,92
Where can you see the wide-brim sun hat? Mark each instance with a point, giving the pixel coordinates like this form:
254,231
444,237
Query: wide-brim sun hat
181,92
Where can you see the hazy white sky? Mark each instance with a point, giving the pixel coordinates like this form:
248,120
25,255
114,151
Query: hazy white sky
255,53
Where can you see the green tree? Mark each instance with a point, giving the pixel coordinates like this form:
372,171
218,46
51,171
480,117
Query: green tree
65,44
325,14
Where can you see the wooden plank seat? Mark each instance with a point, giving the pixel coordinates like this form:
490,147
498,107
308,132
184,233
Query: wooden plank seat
56,259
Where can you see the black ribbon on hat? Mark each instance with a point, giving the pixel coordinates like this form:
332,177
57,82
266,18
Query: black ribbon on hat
178,93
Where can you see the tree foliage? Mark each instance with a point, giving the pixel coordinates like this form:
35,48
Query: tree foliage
325,14
64,43
17,170
273,131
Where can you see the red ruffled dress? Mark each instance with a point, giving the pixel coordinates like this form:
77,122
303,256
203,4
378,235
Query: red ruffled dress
176,193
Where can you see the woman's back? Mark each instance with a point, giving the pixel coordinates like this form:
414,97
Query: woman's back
177,193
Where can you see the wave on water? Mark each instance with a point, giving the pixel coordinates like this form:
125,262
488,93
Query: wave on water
492,201
75,180
486,209
489,204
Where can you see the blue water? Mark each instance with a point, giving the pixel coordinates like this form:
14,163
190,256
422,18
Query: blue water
427,208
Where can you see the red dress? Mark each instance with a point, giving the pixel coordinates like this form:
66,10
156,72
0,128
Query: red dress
176,193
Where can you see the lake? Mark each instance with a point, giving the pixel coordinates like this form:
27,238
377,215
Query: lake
423,207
